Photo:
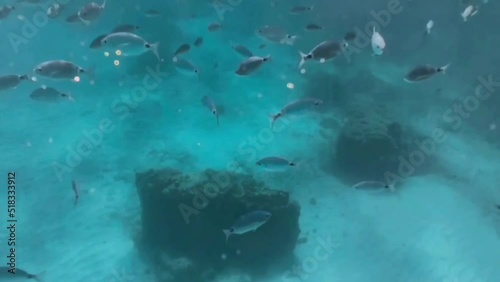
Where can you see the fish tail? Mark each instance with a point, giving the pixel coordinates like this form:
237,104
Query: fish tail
311,8
70,97
103,4
303,58
444,68
227,232
274,118
154,48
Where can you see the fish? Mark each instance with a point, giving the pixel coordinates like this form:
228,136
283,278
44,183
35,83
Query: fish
5,11
428,26
11,81
323,52
275,163
198,42
186,67
184,48
130,44
88,13
251,65
49,94
54,10
248,222
59,69
296,107
17,274
276,35
242,50
96,43
300,9
76,190
378,43
423,72
313,26
373,185
152,13
210,104
214,26
469,12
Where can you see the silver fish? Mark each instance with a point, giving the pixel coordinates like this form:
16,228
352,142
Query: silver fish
422,72
96,43
7,274
186,67
248,222
251,64
323,52
54,10
60,69
372,185
300,9
49,94
296,107
275,163
242,50
11,81
5,11
276,35
87,13
209,103
130,44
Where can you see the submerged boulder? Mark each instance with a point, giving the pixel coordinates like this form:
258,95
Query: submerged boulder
183,215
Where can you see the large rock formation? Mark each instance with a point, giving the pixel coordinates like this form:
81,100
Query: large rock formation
184,215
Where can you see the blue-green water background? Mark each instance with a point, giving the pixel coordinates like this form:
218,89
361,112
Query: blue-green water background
440,228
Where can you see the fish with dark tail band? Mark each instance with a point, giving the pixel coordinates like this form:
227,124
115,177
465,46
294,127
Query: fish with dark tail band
210,104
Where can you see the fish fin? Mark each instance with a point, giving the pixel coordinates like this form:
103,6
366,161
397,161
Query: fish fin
267,58
103,4
274,118
227,232
73,18
374,30
444,68
302,59
70,97
154,48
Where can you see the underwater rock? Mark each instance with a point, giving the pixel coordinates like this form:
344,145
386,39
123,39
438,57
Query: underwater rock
183,215
368,144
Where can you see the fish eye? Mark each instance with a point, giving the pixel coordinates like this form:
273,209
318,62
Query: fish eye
258,163
214,112
104,41
196,71
291,164
38,69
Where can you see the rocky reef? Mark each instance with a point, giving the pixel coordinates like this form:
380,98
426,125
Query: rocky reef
183,216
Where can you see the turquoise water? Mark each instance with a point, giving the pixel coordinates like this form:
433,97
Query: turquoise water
439,149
